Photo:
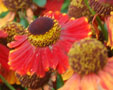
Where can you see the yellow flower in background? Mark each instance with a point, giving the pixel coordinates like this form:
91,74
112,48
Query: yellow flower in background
67,74
2,7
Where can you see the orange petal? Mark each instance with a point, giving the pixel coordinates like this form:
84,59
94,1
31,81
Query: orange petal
106,80
72,84
109,67
89,82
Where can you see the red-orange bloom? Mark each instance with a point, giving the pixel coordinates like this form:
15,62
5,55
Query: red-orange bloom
46,44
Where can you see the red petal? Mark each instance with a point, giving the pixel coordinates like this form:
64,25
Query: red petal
20,56
52,58
37,65
4,52
45,60
61,18
19,40
62,59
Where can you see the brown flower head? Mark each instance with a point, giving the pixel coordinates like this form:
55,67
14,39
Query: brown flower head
14,5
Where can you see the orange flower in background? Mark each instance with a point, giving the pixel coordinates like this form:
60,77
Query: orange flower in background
46,44
93,70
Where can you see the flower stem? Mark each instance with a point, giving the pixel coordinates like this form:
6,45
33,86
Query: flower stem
26,89
6,83
104,31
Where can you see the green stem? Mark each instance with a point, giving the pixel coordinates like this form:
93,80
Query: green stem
87,4
6,83
104,31
26,89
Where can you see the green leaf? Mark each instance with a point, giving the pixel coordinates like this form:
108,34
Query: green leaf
59,81
65,6
3,14
53,89
24,22
6,83
40,3
106,31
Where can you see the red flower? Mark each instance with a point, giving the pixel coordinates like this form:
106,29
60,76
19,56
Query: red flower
53,5
46,44
4,51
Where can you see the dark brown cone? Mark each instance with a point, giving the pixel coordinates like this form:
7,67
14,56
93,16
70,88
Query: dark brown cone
14,5
34,82
101,8
41,25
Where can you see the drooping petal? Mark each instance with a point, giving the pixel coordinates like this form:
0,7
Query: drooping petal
45,61
19,40
37,65
61,57
19,57
53,60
